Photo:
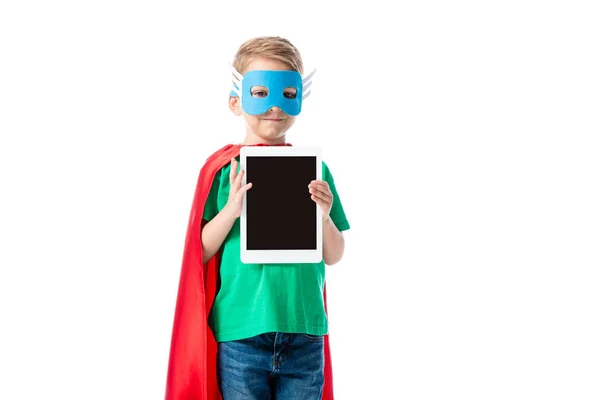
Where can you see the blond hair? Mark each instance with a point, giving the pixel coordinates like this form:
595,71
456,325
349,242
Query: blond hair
271,47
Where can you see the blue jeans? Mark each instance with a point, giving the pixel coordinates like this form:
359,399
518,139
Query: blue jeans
272,366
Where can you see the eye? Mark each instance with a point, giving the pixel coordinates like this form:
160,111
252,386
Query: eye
289,93
259,91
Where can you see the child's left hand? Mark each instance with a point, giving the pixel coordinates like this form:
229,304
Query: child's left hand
321,194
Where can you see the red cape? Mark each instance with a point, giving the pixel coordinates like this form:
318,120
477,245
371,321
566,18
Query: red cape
192,372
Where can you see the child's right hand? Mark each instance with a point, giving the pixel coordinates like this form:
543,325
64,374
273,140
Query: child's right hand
236,193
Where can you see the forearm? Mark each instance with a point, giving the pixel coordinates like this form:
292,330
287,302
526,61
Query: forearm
333,243
215,232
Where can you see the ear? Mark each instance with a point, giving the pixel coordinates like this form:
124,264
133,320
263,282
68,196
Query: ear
235,105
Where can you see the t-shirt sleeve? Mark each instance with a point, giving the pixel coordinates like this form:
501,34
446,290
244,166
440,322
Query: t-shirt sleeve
211,208
337,214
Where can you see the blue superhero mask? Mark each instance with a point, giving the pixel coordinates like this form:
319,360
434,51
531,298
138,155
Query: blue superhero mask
276,82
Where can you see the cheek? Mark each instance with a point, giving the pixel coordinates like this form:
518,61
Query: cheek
291,121
251,119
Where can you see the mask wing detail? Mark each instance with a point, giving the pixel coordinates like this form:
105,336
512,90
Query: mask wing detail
306,83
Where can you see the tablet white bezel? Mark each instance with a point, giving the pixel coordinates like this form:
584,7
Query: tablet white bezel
280,256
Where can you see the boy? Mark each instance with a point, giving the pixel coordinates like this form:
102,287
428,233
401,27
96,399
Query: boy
268,322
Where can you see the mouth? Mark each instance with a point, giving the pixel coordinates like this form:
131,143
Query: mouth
273,119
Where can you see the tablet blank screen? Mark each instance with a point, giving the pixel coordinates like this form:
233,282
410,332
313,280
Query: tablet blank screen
280,213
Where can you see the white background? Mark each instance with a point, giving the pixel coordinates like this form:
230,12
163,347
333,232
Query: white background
463,137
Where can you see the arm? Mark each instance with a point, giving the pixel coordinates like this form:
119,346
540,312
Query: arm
333,242
333,239
215,232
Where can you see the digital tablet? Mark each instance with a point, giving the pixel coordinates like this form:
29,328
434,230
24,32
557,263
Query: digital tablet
280,223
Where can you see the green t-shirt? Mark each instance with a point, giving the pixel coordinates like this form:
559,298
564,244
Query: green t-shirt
257,298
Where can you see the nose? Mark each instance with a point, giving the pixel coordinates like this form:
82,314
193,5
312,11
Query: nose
274,109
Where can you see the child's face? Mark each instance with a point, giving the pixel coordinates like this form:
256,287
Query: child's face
270,127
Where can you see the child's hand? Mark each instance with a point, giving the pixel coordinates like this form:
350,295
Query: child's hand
321,194
236,193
